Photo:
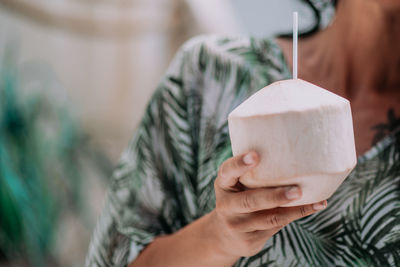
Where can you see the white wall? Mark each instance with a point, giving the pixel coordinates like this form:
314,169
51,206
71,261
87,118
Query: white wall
262,18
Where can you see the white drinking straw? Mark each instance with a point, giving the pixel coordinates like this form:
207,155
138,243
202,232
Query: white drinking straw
295,34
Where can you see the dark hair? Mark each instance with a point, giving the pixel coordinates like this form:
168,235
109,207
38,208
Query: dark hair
317,24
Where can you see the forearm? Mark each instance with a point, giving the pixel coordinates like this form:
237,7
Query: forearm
195,245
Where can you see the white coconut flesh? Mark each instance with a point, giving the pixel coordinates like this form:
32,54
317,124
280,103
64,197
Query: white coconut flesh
303,134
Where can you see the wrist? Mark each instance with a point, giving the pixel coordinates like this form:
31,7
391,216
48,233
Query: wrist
218,237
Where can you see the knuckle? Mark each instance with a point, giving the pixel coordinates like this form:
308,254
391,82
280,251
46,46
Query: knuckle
222,171
247,202
303,211
275,221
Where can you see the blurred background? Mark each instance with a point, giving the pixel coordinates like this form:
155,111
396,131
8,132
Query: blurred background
75,76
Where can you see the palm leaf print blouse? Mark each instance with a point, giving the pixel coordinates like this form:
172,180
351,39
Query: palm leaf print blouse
165,178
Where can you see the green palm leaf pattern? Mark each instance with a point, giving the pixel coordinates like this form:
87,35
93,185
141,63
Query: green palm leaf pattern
165,179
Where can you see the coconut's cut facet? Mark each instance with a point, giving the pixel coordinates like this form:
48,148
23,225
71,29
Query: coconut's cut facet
303,134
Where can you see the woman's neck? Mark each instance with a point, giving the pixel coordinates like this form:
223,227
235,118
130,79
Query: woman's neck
359,51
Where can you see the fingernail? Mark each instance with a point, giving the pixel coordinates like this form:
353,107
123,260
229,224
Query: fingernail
248,159
292,192
319,206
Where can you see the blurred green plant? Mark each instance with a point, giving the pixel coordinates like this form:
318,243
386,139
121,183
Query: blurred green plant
40,147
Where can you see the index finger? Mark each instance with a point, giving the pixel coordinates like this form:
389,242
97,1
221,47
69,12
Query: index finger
231,170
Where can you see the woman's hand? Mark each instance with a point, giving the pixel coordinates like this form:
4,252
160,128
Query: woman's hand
245,219
241,223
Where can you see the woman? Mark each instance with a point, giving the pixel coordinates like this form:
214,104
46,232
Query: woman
162,195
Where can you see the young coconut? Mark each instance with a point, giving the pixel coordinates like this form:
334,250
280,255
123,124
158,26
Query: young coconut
303,134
